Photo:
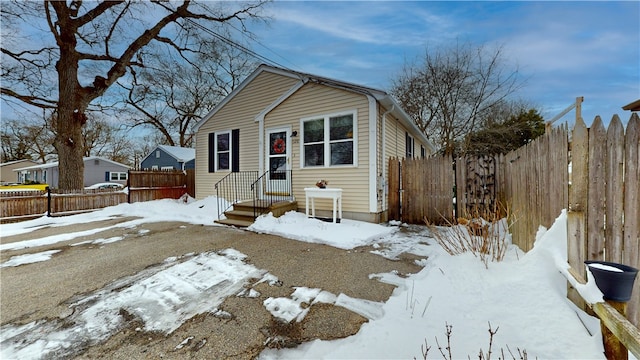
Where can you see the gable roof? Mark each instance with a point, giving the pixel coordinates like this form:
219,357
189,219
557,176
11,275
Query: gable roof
181,154
385,99
56,163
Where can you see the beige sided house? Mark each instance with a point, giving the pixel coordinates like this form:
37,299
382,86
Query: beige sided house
281,131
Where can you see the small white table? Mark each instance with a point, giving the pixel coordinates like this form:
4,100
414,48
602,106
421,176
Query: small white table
326,193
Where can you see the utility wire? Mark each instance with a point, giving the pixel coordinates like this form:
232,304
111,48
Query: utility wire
235,44
264,46
244,49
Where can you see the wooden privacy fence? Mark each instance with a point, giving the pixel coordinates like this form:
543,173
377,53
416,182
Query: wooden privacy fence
421,189
144,186
535,185
604,199
152,185
602,192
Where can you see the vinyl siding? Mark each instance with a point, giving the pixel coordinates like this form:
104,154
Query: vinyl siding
318,100
239,113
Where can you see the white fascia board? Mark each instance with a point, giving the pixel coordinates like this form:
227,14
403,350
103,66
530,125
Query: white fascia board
260,120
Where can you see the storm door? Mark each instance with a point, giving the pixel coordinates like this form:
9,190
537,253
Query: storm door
278,162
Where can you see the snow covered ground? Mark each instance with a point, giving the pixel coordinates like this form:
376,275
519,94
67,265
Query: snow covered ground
522,297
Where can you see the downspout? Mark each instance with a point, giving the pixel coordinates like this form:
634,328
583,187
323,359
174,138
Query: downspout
385,188
373,160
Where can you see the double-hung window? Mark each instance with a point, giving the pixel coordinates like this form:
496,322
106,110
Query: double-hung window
117,176
223,150
410,146
329,140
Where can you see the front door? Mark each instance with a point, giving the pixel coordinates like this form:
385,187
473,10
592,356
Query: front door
278,162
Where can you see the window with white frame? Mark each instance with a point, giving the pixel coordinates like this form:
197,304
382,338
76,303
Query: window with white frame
329,140
223,150
116,176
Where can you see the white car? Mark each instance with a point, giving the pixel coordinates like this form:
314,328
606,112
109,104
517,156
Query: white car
105,185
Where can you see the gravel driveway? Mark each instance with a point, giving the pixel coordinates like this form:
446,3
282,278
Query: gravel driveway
44,290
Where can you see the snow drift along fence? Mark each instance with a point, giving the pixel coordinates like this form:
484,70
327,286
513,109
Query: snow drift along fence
149,185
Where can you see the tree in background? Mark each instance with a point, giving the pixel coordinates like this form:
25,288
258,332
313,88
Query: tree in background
499,135
104,139
171,95
26,139
452,89
63,56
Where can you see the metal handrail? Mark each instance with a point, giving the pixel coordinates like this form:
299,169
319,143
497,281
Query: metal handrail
234,188
269,190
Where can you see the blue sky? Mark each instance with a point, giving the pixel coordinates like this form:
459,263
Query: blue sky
562,49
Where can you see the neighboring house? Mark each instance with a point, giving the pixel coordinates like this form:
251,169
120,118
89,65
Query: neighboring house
7,175
96,170
165,157
317,128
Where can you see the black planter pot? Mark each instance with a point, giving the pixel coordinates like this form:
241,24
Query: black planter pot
615,285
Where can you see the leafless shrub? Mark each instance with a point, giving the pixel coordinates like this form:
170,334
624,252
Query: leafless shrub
447,355
483,233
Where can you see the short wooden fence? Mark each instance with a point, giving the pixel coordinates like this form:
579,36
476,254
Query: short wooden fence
143,186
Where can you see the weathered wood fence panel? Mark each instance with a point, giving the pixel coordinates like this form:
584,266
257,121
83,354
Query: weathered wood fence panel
421,188
631,196
69,202
153,185
606,226
536,185
18,204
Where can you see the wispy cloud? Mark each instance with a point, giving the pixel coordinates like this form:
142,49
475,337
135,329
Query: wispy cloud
380,23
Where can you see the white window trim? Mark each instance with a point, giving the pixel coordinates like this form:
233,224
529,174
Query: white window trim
120,176
215,149
327,142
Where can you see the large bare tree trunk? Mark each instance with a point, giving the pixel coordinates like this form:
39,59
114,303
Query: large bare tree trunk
71,109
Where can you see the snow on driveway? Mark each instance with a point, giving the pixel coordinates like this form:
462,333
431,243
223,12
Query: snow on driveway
162,297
